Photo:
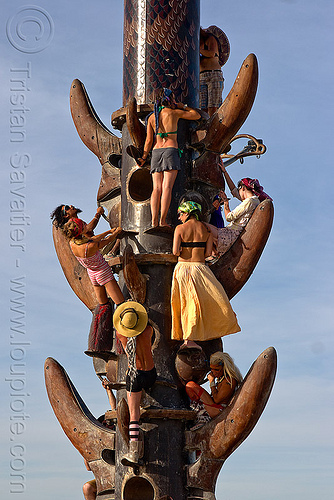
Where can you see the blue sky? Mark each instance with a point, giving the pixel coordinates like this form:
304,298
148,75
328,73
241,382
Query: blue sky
287,303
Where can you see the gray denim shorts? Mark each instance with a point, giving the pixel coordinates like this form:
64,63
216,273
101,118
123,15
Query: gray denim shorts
165,159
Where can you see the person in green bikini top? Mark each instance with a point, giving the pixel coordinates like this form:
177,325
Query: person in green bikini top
165,163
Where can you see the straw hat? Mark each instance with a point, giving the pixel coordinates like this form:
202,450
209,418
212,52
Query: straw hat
130,319
224,44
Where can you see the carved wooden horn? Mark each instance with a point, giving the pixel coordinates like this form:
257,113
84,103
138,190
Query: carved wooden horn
134,280
93,133
135,126
235,267
225,123
92,440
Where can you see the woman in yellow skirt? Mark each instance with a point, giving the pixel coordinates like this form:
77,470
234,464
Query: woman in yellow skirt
200,307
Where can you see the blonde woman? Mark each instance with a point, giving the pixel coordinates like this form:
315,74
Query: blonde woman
224,378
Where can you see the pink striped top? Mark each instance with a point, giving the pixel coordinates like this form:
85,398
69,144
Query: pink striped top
98,270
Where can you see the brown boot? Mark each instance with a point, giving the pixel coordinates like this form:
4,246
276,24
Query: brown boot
135,452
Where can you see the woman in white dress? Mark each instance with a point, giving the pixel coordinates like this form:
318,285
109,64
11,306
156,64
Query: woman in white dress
250,193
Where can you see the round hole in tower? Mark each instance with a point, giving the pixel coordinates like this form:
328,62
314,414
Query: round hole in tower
140,184
108,456
138,487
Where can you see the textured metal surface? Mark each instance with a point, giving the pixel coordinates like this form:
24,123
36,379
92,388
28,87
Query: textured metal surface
161,49
205,169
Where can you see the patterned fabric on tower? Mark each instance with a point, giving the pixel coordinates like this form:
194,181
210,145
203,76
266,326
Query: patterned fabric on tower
100,339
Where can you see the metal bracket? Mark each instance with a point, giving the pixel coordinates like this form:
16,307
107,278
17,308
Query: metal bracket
254,147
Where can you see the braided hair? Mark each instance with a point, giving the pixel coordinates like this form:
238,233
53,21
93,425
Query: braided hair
163,97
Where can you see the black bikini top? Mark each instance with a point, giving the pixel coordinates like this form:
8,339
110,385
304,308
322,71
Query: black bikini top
193,244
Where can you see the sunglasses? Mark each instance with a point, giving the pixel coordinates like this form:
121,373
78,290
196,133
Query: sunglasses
66,207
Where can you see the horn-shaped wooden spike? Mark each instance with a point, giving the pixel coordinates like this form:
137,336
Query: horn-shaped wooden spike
219,438
123,419
235,267
93,133
135,126
134,280
93,441
224,124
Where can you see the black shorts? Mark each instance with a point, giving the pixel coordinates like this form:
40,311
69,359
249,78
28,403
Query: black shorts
143,380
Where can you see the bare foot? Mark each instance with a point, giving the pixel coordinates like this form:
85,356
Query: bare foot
190,343
211,260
